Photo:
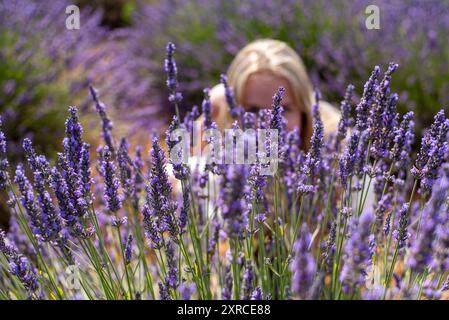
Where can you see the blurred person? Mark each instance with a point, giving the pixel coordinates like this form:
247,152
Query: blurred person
256,73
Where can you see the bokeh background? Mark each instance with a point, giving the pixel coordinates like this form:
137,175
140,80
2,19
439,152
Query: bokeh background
120,49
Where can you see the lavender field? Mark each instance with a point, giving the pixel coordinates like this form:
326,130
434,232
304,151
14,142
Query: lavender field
95,213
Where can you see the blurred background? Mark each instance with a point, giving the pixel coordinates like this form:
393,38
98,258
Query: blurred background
120,49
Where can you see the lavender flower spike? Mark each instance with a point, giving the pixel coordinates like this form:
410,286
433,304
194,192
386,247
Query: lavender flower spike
50,218
403,140
367,99
314,158
230,98
257,294
421,248
358,253
128,249
303,265
349,159
206,109
438,152
111,183
401,233
4,175
73,142
231,200
106,123
124,162
36,162
85,171
248,279
29,202
159,208
345,121
172,75
171,279
19,265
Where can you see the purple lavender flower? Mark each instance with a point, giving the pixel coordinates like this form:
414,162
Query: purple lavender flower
151,227
303,264
124,162
180,168
213,240
159,207
248,278
66,207
128,249
231,200
345,120
183,215
421,248
440,244
4,175
277,119
20,239
387,224
117,222
206,109
292,157
106,123
2,140
383,207
257,294
50,218
171,279
74,186
366,101
138,181
249,120
226,291
401,234
111,183
172,75
190,118
437,153
73,142
36,162
28,201
376,119
19,265
403,140
163,292
445,285
314,157
358,253
329,252
187,290
433,147
85,170
383,135
234,110
257,183
362,151
349,159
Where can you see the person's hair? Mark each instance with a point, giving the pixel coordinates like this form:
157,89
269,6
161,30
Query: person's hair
280,59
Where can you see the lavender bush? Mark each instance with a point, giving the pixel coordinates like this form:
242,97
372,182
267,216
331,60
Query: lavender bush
355,216
44,66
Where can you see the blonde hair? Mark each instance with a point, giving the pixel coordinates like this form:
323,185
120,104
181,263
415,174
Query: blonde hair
277,57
